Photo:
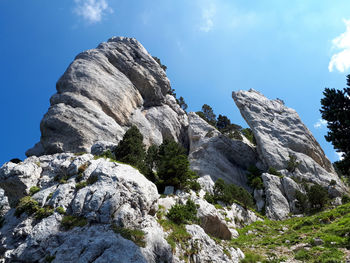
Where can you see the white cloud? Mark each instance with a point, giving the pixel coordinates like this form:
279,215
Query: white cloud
341,60
340,157
207,17
91,10
320,123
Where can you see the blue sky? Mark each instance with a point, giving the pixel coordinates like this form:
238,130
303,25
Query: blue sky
290,50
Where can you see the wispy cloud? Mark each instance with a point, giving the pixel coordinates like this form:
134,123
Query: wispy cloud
341,60
320,123
208,15
92,10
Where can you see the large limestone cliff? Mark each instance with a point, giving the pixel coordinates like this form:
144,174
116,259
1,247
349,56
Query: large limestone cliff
102,93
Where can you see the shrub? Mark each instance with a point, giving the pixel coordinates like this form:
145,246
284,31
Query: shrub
33,190
236,135
292,163
274,171
68,222
135,235
43,212
80,185
181,214
318,196
230,193
28,205
131,149
209,198
248,133
302,201
92,179
254,177
345,199
60,210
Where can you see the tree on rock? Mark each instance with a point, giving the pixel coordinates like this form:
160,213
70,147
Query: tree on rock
207,114
182,103
131,149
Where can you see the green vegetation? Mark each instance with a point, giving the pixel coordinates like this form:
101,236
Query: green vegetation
207,114
173,167
49,258
135,235
30,206
229,194
295,237
292,163
33,190
60,210
131,149
91,180
183,105
254,177
273,171
160,63
182,214
248,133
177,233
336,111
68,222
79,153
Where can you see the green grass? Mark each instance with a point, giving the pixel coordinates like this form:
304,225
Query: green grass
68,222
332,226
135,235
33,190
30,206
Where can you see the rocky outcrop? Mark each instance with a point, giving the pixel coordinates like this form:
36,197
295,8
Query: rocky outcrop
102,93
103,196
280,133
216,155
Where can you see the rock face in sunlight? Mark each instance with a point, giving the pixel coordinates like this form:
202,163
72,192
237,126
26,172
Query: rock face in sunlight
68,202
214,154
105,91
286,144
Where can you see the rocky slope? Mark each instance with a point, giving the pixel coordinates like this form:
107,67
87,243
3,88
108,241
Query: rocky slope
116,197
65,204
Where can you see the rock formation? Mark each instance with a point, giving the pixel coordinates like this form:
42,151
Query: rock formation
280,136
115,195
102,93
65,203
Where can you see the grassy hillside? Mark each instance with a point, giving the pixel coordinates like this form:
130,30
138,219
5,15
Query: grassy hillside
323,237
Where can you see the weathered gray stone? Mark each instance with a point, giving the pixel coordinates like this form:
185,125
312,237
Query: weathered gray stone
102,93
100,147
169,190
277,206
259,197
214,154
280,133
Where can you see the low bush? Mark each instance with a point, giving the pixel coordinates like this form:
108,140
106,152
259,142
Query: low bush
318,196
345,199
135,235
248,133
30,206
302,201
292,163
27,205
254,177
33,190
43,212
230,193
68,222
273,171
181,214
60,210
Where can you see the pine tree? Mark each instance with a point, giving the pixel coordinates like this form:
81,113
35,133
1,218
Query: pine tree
182,103
336,111
131,149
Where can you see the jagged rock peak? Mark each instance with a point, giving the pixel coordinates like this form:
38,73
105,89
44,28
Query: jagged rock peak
102,93
280,133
